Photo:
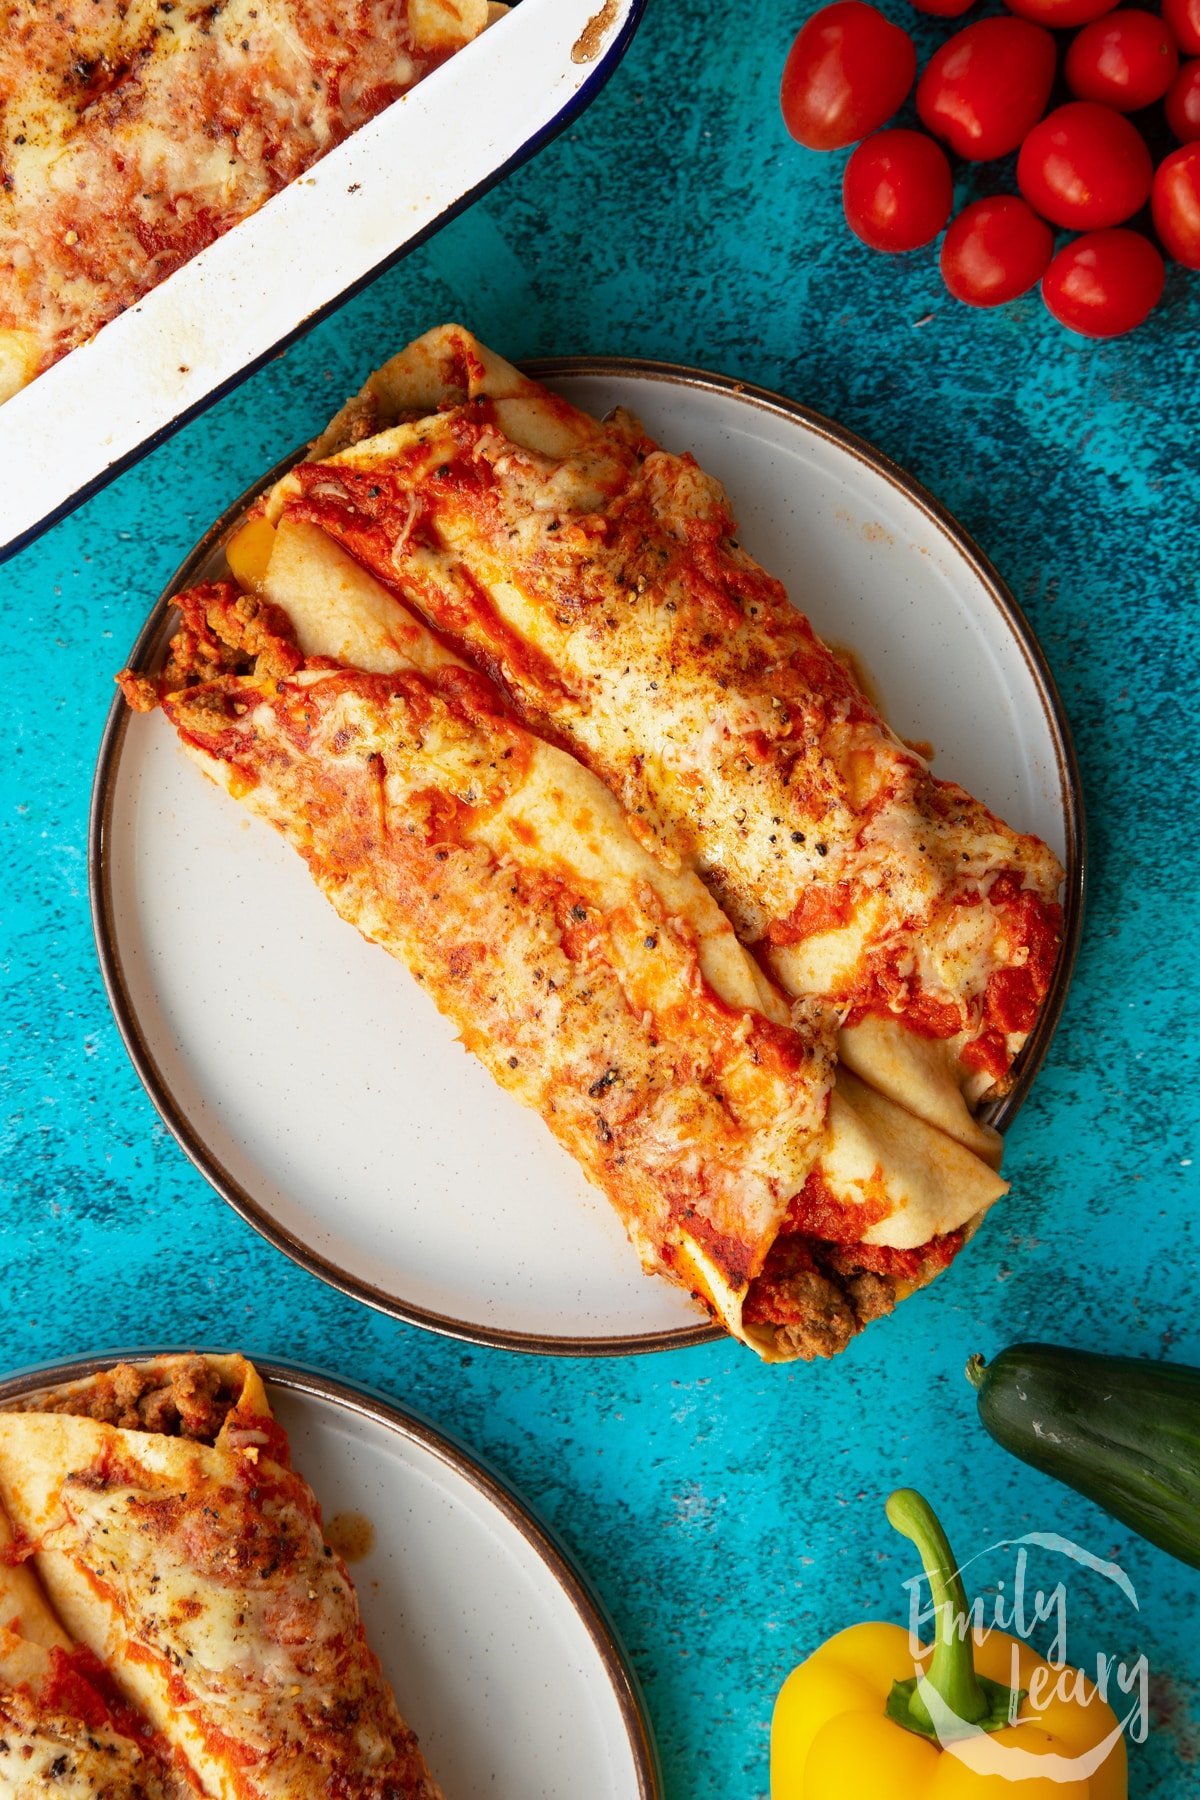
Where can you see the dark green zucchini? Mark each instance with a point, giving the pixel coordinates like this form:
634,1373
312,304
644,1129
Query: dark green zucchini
1124,1432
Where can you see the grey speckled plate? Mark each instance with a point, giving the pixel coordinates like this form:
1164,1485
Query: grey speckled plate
478,1618
311,1079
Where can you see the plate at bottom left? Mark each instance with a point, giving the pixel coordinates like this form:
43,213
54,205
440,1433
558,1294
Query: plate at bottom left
501,1659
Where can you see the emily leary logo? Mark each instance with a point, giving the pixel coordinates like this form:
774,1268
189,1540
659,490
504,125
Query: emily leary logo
1021,1613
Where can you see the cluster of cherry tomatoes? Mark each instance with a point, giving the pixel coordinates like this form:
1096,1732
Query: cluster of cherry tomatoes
1084,167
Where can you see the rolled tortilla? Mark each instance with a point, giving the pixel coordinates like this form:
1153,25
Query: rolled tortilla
63,1729
599,578
599,987
178,1546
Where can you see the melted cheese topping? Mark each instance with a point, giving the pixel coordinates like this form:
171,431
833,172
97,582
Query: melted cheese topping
597,987
58,1733
601,988
601,578
131,136
45,1750
199,1576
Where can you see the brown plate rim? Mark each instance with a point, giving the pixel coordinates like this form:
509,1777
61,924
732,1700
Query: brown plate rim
151,641
371,1404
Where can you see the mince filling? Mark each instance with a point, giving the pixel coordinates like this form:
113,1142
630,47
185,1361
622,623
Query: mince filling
193,1401
221,632
814,1296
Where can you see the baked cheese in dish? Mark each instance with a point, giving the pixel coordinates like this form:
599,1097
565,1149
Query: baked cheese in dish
132,135
183,1557
600,579
599,986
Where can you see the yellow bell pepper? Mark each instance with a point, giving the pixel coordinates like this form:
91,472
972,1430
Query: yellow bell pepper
249,551
856,1721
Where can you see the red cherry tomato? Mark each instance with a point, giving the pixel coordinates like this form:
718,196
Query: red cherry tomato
1183,103
986,86
1104,283
1183,17
1085,167
897,190
1175,203
944,9
845,75
1126,60
995,250
1058,13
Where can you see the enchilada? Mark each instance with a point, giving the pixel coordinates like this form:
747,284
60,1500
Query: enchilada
598,986
600,579
218,1644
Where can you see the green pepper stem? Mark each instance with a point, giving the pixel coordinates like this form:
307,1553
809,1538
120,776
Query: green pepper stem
951,1671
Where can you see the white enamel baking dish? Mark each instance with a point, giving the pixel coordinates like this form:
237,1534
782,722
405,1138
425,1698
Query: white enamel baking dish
237,303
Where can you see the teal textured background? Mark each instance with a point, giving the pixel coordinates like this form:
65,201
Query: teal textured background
730,1516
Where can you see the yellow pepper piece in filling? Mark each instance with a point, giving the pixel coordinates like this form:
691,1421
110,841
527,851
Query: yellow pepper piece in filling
249,551
833,1736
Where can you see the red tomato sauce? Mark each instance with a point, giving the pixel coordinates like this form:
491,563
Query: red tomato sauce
818,909
822,1233
79,1684
816,1212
